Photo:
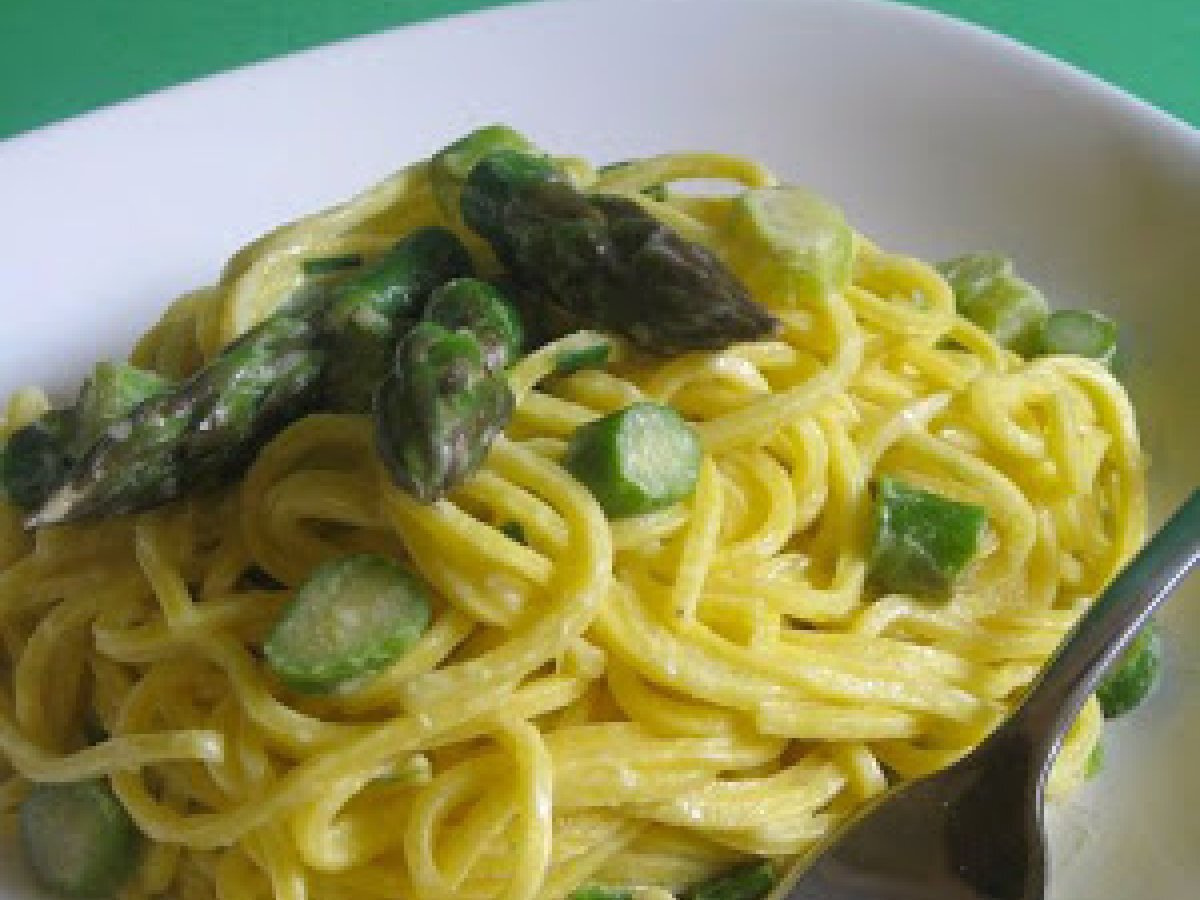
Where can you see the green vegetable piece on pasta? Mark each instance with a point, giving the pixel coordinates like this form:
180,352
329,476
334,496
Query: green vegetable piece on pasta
481,308
514,531
1079,332
747,881
1095,761
601,892
449,168
595,356
112,392
368,312
78,838
351,617
34,460
199,434
439,410
605,261
636,460
989,293
324,265
787,240
659,192
1134,675
921,541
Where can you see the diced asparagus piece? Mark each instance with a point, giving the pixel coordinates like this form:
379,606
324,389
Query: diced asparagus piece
1132,678
789,242
989,293
78,838
1079,332
921,541
636,460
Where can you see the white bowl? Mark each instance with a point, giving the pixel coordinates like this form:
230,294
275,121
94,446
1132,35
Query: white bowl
936,137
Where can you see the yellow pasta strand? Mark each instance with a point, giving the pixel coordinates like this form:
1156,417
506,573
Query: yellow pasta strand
637,702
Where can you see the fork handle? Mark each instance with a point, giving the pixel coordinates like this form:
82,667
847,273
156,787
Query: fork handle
1107,628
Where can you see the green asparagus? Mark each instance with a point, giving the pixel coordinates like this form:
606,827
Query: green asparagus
439,410
605,260
788,241
636,460
750,880
37,457
601,892
1134,675
112,392
988,292
327,347
324,265
449,167
921,541
568,362
368,313
34,460
351,617
481,308
1079,332
78,838
199,434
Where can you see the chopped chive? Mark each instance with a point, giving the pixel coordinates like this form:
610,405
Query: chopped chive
323,265
747,881
514,531
256,578
1095,761
658,192
591,357
601,892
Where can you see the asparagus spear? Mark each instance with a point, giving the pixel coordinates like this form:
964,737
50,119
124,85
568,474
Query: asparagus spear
439,410
605,260
113,391
450,166
367,313
482,309
199,434
447,397
37,457
326,347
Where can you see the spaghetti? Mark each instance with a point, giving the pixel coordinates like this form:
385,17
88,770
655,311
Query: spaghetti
638,702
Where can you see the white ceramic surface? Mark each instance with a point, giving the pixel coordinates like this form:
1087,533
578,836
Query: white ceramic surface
935,137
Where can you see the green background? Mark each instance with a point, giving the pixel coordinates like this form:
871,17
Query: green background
61,57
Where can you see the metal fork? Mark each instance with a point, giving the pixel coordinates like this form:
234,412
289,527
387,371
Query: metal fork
975,830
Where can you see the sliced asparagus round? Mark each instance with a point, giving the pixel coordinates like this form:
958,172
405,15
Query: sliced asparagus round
351,617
